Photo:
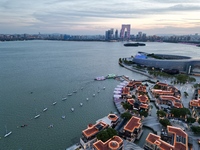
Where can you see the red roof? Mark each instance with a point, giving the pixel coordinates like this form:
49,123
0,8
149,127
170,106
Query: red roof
131,101
141,88
125,90
133,123
92,129
156,140
143,98
113,117
162,84
195,103
133,83
162,92
112,144
145,106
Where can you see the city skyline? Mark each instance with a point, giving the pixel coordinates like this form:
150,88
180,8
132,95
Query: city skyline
95,17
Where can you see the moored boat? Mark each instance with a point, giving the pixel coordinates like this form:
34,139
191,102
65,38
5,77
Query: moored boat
64,98
100,78
45,109
72,109
7,134
37,116
70,94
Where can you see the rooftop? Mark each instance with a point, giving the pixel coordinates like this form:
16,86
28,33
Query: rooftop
132,124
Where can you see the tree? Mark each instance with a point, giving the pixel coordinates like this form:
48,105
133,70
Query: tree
190,120
161,113
178,112
106,134
165,122
127,106
186,94
199,121
126,115
143,113
195,129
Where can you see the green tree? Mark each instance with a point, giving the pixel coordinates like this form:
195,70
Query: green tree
161,113
143,113
178,112
199,121
127,106
165,122
126,115
190,120
186,94
195,129
106,134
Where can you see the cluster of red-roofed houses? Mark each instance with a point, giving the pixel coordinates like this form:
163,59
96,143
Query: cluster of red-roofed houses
195,105
173,138
89,136
167,95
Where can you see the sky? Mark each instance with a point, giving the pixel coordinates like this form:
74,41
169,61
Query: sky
94,17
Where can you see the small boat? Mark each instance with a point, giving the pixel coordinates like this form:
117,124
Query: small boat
93,95
87,99
23,125
37,116
7,133
81,104
45,109
81,88
100,78
54,103
50,126
63,117
64,98
72,109
75,91
70,94
104,88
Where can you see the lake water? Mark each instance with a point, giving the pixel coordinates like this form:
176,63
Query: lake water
34,74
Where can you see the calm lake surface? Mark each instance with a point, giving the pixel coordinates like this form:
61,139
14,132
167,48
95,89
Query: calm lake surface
34,74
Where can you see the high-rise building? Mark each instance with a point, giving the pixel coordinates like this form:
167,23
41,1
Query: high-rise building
109,34
116,34
125,31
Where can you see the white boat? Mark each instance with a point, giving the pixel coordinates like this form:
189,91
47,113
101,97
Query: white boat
37,116
75,91
50,126
64,98
104,88
63,117
7,133
81,104
87,99
81,88
70,94
54,103
72,109
45,109
94,95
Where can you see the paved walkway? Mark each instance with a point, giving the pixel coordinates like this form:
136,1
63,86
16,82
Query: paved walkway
152,122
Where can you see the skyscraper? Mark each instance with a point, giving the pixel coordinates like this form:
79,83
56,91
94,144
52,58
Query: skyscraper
126,28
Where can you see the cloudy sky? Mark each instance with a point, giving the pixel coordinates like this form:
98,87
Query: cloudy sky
91,17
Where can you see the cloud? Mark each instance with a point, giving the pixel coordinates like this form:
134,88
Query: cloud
104,13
